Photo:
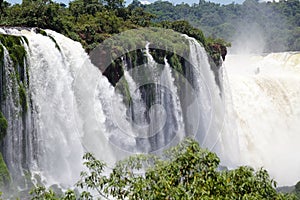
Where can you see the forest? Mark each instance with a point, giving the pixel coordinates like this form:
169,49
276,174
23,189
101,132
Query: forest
90,21
259,26
275,25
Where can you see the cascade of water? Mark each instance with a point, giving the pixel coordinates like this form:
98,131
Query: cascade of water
169,81
212,130
137,106
166,122
12,111
229,140
19,143
266,104
59,150
75,109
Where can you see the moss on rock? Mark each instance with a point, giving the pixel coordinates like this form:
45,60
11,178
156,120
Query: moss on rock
1,56
1,52
22,96
5,179
16,51
41,31
56,45
44,33
3,126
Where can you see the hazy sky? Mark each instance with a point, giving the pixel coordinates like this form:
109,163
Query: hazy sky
173,1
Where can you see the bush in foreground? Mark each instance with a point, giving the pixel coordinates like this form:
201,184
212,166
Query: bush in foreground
183,172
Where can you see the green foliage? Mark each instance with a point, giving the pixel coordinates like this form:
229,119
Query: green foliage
5,179
185,28
17,53
278,21
214,46
15,48
41,193
56,45
1,56
22,96
297,190
41,31
1,52
44,33
90,21
123,88
174,61
183,172
3,126
3,92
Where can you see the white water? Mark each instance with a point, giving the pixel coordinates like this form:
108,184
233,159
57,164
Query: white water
161,124
12,112
266,102
19,148
51,85
215,131
169,81
75,109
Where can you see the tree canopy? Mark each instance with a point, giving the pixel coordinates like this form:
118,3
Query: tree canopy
185,171
276,22
87,21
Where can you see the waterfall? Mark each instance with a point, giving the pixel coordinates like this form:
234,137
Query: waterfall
215,131
12,111
156,114
265,99
18,146
59,148
166,124
74,109
169,81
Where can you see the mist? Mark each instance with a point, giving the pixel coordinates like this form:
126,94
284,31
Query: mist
248,39
257,30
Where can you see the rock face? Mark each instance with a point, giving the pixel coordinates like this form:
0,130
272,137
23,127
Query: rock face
217,51
223,52
132,59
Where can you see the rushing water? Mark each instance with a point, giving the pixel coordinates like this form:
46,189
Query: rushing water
250,118
73,109
266,102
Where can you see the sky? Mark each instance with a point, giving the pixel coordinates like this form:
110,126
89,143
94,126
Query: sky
151,1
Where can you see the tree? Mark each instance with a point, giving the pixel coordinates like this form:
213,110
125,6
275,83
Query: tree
3,6
277,21
114,4
297,190
184,172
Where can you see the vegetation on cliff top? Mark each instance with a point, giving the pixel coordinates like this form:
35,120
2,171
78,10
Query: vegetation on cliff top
89,21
